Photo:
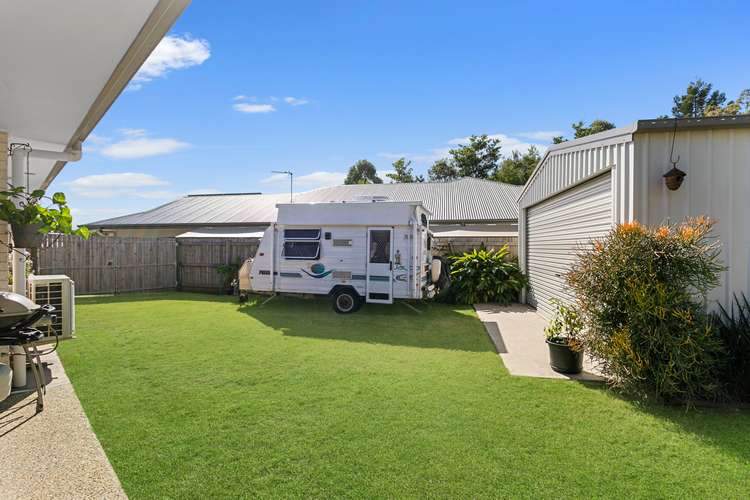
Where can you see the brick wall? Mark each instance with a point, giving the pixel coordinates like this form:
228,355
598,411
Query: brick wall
5,262
445,246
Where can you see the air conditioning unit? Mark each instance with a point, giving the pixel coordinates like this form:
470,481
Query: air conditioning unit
58,291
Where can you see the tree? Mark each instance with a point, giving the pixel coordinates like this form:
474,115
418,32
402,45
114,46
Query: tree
442,170
595,127
698,96
480,158
739,107
580,130
363,172
403,172
518,168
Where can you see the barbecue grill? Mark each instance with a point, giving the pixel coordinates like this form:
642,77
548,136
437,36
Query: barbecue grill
18,315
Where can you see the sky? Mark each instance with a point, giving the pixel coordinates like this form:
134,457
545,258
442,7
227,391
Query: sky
239,89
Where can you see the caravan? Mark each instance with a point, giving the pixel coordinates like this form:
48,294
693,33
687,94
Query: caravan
364,251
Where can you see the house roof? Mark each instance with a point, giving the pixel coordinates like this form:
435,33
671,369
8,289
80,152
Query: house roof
461,200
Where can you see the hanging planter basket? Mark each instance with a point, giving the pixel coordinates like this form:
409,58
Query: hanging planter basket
27,235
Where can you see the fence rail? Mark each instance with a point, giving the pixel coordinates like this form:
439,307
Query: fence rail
110,265
199,260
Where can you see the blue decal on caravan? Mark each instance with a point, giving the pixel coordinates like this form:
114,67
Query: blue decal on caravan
318,271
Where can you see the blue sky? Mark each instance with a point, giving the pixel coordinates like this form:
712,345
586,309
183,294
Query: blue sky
239,89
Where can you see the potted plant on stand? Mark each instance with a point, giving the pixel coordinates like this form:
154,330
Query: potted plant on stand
30,220
565,348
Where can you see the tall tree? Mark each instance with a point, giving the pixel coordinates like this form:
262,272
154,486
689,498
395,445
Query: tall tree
580,130
698,96
402,172
442,170
480,158
363,172
739,107
518,168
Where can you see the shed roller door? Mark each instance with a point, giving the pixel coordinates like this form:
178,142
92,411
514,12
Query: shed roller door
556,230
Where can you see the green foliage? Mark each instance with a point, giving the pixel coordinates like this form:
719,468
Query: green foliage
442,170
698,96
402,172
485,276
580,130
17,206
479,159
363,172
734,327
565,326
518,168
640,292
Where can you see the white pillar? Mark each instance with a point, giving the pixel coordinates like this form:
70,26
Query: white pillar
18,178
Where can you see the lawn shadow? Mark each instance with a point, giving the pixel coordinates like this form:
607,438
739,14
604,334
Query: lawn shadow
724,427
432,326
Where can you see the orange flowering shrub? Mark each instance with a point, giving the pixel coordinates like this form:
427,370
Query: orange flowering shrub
640,293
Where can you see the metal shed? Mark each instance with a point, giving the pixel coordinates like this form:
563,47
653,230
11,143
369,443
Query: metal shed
582,188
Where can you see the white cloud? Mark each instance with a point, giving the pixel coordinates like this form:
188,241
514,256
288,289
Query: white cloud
295,101
173,52
244,107
540,135
97,139
130,184
240,97
133,132
135,146
120,180
308,181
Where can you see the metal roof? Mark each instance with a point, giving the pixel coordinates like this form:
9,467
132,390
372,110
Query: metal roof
461,200
653,125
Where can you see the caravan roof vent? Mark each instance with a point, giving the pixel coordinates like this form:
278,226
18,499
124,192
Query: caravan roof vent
371,198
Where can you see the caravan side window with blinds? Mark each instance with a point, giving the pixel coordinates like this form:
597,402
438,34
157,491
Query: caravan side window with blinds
301,250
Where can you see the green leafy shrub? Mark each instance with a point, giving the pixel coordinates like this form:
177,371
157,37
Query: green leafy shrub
19,207
734,327
641,293
566,326
484,276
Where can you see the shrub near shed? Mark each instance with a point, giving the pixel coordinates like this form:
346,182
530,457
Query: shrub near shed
641,292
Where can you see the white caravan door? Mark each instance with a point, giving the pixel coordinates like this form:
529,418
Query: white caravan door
380,265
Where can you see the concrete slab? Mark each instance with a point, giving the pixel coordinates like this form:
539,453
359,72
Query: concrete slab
518,334
52,454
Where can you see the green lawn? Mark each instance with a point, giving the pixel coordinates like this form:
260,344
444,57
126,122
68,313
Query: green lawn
195,396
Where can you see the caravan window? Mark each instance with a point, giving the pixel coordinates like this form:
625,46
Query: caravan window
301,250
302,234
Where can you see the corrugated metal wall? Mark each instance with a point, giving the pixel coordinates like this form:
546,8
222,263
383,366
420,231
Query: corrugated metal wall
557,229
717,162
575,163
718,185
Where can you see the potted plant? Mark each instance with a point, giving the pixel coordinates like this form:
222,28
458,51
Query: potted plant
229,273
30,220
565,349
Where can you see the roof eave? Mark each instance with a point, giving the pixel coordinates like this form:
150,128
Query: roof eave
161,19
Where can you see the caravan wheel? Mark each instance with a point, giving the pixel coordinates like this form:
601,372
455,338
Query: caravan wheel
346,301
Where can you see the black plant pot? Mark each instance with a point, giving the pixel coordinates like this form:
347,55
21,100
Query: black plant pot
562,358
27,235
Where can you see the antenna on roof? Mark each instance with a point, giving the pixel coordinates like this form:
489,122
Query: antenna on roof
291,182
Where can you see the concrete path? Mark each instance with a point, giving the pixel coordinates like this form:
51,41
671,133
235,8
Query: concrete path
53,454
518,334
